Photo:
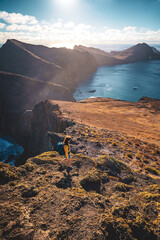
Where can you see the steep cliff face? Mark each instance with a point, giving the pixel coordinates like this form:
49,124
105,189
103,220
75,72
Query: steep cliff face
29,127
18,96
46,117
20,93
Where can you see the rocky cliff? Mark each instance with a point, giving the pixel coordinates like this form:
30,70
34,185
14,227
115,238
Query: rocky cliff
46,117
112,191
30,128
18,96
38,129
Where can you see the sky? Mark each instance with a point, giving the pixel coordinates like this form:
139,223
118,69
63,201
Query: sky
86,22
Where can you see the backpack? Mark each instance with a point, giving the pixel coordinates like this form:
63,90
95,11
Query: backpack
60,148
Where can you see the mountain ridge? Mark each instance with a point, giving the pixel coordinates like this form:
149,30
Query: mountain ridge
16,59
21,45
138,52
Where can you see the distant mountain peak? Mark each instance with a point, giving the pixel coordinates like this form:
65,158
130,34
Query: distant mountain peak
141,45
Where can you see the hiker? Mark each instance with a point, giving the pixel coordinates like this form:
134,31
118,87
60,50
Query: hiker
66,147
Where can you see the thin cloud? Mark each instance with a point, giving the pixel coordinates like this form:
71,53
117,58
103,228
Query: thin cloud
130,28
17,18
69,25
2,25
23,27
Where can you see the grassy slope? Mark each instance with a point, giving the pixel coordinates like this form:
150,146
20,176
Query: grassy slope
103,197
112,192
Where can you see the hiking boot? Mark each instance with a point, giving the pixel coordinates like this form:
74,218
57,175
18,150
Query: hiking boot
69,169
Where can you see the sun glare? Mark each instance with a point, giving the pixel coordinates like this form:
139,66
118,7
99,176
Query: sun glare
66,45
66,3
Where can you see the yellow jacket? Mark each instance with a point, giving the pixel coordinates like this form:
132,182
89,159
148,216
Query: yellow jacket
66,150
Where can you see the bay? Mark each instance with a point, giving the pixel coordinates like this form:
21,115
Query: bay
127,82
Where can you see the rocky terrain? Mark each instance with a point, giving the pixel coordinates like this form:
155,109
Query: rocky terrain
113,190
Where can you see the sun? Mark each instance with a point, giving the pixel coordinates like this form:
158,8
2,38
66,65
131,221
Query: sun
66,3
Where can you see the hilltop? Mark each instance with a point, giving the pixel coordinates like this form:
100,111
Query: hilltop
112,192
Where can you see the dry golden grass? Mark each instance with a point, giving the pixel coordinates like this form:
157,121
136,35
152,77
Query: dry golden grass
138,120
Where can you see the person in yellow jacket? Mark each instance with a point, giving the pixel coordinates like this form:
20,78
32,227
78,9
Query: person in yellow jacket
66,147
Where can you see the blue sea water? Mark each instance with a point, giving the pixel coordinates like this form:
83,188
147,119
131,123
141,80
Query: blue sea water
127,82
9,149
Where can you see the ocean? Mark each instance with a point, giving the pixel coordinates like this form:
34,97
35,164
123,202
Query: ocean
127,82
